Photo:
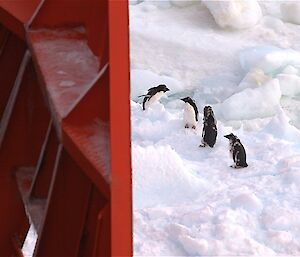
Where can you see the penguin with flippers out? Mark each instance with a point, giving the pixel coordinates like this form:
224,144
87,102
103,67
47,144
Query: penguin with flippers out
154,94
209,132
190,115
237,151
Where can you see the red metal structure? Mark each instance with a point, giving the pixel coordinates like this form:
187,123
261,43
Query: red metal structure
65,127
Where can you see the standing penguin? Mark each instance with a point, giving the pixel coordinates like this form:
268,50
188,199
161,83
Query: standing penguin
190,115
153,95
238,152
209,133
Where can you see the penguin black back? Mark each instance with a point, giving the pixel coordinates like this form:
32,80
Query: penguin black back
152,92
209,133
238,151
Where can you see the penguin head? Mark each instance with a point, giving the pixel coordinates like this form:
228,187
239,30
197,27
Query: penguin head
187,99
162,88
231,136
207,111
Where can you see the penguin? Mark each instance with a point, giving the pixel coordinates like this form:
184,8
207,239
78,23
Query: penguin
237,151
153,95
190,115
209,132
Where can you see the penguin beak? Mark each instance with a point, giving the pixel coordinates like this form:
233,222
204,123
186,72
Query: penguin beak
227,136
167,89
182,99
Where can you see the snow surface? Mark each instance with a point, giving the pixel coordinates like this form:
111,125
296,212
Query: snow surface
234,14
291,12
187,201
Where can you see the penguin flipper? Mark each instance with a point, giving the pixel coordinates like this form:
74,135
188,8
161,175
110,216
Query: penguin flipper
144,102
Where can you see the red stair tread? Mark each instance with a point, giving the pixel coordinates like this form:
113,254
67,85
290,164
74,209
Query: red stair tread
34,207
93,141
67,64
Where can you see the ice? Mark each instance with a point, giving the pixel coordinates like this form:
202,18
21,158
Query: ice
251,103
291,70
289,84
270,59
280,127
278,60
274,23
251,57
133,2
291,12
183,3
235,14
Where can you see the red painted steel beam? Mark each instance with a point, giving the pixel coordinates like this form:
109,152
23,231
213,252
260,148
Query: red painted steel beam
66,210
14,14
44,169
26,125
10,59
121,195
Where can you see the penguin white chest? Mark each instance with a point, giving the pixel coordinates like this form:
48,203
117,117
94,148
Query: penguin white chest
189,115
154,99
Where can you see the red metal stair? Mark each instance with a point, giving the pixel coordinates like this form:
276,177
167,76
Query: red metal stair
64,161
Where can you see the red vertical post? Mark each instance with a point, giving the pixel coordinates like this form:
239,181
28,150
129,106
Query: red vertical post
121,195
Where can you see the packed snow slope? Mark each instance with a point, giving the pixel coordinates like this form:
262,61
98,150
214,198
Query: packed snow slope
187,200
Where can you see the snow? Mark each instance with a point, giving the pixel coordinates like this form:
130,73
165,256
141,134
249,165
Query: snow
259,103
187,201
290,84
168,174
234,14
30,242
291,12
218,210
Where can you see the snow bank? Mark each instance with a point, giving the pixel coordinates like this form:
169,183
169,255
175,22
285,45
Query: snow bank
234,14
274,23
157,171
270,59
291,12
289,84
266,67
251,103
280,127
247,201
252,56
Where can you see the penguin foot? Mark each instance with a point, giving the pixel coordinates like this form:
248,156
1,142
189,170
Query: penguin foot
202,145
186,126
194,127
236,166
